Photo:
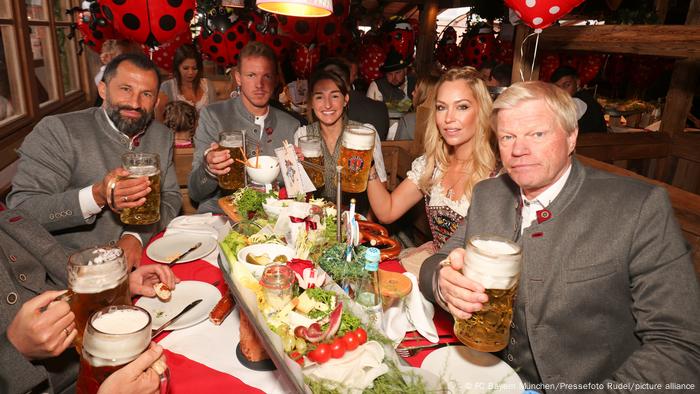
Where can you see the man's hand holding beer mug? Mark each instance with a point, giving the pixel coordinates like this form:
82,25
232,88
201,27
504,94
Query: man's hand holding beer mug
218,160
139,376
43,327
128,192
479,285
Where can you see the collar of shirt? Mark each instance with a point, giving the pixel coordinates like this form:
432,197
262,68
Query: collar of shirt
122,135
542,201
260,121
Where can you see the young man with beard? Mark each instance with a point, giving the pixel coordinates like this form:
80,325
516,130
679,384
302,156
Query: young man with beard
265,126
69,161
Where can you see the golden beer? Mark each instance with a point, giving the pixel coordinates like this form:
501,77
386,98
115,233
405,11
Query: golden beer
233,142
311,150
149,212
98,278
143,165
495,263
114,337
356,158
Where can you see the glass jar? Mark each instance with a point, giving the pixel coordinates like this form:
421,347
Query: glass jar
277,281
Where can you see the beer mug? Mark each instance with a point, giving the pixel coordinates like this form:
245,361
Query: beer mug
356,151
138,165
495,263
232,141
115,336
311,149
97,277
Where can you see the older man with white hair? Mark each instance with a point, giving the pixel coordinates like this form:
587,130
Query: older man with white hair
607,292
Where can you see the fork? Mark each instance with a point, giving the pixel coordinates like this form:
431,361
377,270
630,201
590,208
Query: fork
411,351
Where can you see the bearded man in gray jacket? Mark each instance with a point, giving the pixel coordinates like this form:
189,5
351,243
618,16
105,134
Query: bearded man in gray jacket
265,126
69,172
607,299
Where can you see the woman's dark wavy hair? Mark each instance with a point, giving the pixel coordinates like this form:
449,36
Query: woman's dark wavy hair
183,53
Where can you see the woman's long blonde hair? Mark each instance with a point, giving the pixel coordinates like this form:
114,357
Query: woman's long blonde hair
483,160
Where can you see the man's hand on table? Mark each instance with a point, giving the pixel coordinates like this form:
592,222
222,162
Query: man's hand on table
141,281
132,250
43,327
217,161
135,377
463,295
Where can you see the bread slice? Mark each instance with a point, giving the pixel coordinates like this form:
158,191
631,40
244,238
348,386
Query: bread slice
163,292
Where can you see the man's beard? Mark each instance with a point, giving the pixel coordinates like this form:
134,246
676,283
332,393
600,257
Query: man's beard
128,126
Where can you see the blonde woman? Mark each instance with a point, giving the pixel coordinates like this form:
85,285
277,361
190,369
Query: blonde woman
457,155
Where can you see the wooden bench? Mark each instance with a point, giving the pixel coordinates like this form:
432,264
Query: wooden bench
183,165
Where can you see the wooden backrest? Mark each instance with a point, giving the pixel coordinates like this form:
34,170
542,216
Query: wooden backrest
686,205
223,88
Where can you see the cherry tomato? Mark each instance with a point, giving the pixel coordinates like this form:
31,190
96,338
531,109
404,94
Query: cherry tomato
298,357
361,335
350,340
337,348
320,354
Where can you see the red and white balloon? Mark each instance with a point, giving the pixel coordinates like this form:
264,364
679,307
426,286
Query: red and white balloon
150,22
540,14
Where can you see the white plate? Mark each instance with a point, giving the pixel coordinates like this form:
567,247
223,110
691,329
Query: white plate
466,370
167,248
272,250
185,292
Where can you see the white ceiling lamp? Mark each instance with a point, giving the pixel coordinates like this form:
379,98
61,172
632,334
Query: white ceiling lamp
307,8
233,3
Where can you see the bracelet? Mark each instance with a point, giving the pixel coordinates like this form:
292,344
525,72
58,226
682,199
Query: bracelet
111,185
439,298
206,165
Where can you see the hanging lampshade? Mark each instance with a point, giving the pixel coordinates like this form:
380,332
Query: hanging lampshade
308,8
233,3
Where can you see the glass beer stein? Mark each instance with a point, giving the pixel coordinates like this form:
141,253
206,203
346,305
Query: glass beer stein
356,158
311,149
495,263
232,140
97,278
114,337
148,165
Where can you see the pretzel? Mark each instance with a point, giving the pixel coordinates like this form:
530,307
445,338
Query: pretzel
377,235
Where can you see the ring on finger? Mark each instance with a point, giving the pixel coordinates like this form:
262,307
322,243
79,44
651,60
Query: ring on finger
67,331
125,198
445,263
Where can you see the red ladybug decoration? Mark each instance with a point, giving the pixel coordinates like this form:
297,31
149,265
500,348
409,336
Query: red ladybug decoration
304,60
372,57
588,67
150,22
300,30
449,55
477,47
399,36
163,55
548,64
539,14
94,34
280,44
223,48
503,51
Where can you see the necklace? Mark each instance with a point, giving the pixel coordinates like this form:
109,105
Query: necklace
450,191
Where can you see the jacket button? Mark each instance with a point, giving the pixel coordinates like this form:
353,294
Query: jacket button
11,298
13,258
22,277
512,325
512,341
69,212
51,216
510,357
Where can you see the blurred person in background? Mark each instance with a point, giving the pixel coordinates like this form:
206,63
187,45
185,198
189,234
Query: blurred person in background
423,93
591,114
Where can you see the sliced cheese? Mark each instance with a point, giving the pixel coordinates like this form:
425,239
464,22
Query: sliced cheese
297,319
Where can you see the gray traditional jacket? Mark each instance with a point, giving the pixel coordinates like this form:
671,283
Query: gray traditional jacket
232,115
65,153
607,291
31,262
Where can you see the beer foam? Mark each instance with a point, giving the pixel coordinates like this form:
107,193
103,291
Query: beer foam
91,279
311,152
496,267
121,321
123,335
358,138
137,171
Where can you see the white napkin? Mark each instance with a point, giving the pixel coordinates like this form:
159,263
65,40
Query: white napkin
205,224
356,370
414,313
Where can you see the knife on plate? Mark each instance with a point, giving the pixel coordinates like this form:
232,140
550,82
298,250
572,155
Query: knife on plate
171,321
183,254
